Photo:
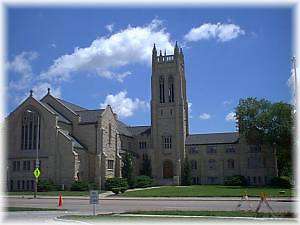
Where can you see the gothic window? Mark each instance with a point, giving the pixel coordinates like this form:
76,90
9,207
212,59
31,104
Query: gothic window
171,89
110,164
230,164
161,89
193,150
167,142
30,126
109,133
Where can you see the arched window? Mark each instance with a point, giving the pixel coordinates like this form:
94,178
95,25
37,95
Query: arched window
161,89
31,125
171,89
230,164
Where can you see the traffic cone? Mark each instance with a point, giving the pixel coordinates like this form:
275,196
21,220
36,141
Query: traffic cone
60,200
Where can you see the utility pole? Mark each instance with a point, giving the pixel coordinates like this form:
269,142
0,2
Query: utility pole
295,77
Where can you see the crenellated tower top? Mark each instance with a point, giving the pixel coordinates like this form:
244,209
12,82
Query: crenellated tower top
178,54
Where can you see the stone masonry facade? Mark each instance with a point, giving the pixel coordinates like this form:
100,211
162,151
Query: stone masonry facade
75,143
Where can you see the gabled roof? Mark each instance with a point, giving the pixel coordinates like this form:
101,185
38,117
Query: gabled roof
139,130
61,118
212,138
75,142
132,131
89,116
123,129
71,105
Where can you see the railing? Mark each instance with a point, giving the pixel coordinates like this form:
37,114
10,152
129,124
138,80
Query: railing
165,58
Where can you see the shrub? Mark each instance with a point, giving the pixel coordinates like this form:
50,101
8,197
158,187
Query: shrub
47,185
116,185
283,182
143,181
236,180
80,186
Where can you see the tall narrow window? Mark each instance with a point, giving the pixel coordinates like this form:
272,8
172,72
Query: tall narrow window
30,123
109,134
161,89
167,142
171,89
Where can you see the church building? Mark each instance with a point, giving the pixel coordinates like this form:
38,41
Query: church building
75,143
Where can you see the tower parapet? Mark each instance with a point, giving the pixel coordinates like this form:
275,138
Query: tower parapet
171,58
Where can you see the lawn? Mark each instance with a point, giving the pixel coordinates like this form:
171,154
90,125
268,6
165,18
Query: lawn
52,193
217,213
207,191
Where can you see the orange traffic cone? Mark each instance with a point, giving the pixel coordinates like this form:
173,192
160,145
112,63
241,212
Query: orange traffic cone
60,200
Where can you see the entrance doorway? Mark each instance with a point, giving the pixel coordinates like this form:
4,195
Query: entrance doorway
168,169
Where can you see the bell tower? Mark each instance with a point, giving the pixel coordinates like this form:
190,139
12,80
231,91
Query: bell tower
169,115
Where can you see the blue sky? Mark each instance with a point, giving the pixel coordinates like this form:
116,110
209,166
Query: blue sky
96,56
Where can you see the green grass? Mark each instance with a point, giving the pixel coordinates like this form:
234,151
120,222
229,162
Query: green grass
17,209
51,193
217,213
208,191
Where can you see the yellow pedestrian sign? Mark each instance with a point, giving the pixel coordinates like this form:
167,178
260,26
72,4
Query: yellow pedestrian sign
36,173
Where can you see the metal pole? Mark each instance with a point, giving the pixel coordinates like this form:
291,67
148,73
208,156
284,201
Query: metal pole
37,153
295,72
94,209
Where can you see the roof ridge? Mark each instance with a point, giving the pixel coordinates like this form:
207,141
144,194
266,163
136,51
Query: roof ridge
89,110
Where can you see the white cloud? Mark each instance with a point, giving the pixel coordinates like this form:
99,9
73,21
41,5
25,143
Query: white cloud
227,103
110,27
291,85
221,32
230,116
130,46
123,105
53,45
204,116
21,65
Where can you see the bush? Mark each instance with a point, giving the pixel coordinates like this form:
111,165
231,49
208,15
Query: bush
83,186
236,180
47,185
116,185
143,181
283,182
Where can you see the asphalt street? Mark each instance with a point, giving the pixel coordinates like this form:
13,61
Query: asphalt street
82,206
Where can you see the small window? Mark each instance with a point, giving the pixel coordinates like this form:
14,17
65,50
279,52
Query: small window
110,164
230,149
14,165
27,184
193,150
171,112
32,184
212,164
193,164
109,133
167,142
142,144
18,165
211,150
18,184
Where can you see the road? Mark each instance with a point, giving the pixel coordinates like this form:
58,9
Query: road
82,206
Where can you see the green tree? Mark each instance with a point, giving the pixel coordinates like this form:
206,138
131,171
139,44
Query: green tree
186,178
127,169
263,122
146,166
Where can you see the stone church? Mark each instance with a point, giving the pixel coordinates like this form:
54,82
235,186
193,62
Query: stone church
75,143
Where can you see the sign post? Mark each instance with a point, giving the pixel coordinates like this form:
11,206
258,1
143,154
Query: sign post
94,200
36,173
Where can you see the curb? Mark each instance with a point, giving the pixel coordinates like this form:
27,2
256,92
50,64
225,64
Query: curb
209,217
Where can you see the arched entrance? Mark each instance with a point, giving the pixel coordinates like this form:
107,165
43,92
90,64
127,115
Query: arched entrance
168,169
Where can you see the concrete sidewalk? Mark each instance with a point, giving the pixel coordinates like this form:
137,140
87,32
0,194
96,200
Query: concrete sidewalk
109,196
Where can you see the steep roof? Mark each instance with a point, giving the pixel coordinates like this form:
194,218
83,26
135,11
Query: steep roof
212,138
139,129
61,118
89,116
123,129
71,105
75,142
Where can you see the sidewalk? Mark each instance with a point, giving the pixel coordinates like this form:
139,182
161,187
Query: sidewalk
110,196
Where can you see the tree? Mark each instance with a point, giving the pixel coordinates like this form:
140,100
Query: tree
263,122
186,178
127,169
146,166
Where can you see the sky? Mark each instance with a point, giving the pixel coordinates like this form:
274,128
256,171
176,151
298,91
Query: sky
98,56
